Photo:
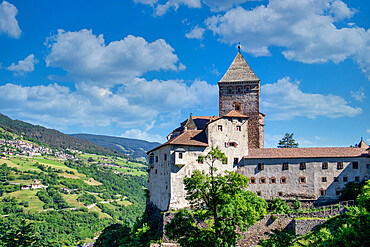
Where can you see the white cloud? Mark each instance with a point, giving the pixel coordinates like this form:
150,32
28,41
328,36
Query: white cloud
142,135
8,23
368,131
284,100
358,95
23,66
86,57
171,95
196,33
58,106
305,29
141,105
161,7
221,5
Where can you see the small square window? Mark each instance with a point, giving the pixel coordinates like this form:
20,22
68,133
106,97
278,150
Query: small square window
230,90
324,165
239,89
151,159
260,166
335,179
280,193
259,193
238,128
156,158
247,89
324,179
219,128
180,155
283,180
302,166
355,165
322,192
262,180
339,165
272,180
345,179
253,181
285,166
236,161
357,179
165,156
302,180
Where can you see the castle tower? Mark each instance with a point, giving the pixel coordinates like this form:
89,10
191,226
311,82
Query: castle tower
239,90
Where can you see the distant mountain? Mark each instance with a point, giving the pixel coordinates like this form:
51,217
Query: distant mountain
51,137
132,147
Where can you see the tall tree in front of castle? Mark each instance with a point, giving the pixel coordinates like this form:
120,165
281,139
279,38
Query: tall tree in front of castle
288,141
220,201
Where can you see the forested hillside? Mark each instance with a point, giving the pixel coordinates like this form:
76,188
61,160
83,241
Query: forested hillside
65,200
132,147
50,137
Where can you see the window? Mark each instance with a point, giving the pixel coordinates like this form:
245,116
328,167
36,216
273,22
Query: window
322,192
262,180
236,161
259,193
238,128
260,166
165,156
233,144
339,165
239,89
253,180
345,179
237,106
151,159
247,89
219,128
230,90
302,166
285,166
272,180
324,165
280,193
355,165
283,180
324,179
335,179
302,180
156,158
180,155
156,171
357,179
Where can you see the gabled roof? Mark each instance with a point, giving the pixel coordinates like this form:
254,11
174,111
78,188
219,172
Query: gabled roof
239,70
291,153
362,144
188,138
235,113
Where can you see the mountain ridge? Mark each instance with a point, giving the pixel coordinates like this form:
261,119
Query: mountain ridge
135,148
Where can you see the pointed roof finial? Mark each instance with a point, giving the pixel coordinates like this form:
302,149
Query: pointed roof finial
239,47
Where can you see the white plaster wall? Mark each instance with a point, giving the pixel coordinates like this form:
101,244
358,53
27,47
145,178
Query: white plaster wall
313,174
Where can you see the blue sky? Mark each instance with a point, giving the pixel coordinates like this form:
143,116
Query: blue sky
137,68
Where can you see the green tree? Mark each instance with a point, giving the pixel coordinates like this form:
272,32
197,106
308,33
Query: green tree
364,198
351,191
287,141
279,206
221,201
113,236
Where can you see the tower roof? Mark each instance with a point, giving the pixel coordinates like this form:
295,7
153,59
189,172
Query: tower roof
239,70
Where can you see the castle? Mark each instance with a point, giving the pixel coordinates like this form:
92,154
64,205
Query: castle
311,174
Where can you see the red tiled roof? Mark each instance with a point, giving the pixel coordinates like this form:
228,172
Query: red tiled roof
188,138
235,113
289,153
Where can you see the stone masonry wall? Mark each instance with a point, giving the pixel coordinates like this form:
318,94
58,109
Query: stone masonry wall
256,233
